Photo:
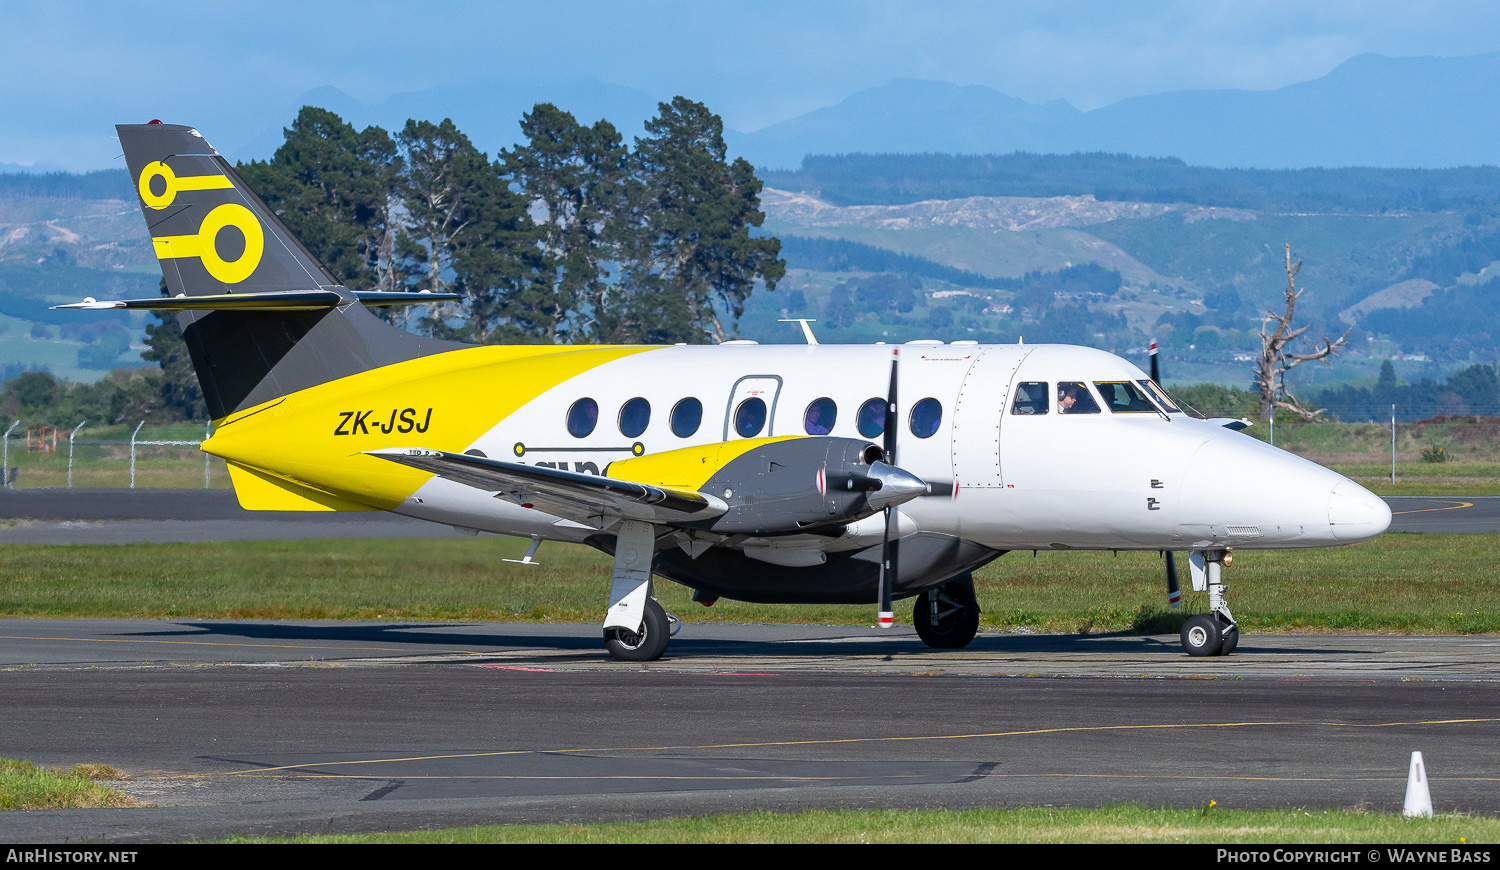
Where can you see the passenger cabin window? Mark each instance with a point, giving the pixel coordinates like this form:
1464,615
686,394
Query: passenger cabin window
1160,396
583,417
820,416
635,416
871,418
1123,397
687,415
750,417
1074,398
1031,398
926,417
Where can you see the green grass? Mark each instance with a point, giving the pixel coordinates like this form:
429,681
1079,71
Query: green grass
1424,584
27,786
1125,823
1469,444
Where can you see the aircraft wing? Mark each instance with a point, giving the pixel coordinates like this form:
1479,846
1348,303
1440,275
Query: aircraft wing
584,498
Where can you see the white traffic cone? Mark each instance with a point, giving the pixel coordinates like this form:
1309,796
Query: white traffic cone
1418,797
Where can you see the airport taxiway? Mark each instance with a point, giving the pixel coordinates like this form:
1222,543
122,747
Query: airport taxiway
280,727
258,727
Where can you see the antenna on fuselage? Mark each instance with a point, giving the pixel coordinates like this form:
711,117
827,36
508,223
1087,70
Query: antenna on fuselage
806,330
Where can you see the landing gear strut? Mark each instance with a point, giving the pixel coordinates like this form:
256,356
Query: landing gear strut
636,628
947,617
1214,633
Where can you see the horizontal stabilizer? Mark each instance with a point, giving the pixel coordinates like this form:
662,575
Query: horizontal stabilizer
279,300
587,498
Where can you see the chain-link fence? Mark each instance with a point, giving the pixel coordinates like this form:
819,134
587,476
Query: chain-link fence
82,454
147,455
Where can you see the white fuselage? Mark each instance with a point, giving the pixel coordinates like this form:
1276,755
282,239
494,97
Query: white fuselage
1146,480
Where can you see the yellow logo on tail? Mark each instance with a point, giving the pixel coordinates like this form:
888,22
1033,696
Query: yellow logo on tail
201,244
174,184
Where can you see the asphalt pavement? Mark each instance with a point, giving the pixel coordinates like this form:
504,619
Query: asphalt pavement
256,727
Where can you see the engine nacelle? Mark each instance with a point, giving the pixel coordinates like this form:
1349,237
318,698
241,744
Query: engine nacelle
780,485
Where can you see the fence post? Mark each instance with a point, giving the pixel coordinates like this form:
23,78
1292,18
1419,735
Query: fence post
132,452
207,432
71,436
1393,445
5,461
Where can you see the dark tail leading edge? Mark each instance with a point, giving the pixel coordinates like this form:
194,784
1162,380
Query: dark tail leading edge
213,235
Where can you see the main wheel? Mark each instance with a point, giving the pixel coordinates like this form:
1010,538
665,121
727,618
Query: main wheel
957,615
1201,636
646,645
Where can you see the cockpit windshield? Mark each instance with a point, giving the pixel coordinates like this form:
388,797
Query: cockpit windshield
1123,397
1160,396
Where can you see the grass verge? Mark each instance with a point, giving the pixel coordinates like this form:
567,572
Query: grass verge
27,786
1125,823
1421,584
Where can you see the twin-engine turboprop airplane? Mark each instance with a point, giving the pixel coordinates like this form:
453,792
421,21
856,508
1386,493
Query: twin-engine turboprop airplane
769,474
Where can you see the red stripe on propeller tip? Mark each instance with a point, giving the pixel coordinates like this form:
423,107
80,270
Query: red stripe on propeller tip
887,620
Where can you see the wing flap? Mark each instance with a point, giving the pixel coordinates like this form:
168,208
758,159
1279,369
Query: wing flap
570,495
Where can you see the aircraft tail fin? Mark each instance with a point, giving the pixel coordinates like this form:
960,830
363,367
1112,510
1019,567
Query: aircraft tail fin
213,236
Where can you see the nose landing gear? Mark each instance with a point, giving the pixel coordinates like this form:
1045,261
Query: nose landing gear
1214,633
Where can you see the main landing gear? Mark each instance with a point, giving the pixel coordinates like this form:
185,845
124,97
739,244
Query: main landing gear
947,617
647,643
1214,633
636,628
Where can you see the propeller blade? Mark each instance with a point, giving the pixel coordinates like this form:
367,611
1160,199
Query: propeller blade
888,547
890,412
1155,366
888,555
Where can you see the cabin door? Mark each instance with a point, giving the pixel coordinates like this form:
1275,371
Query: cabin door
977,418
751,412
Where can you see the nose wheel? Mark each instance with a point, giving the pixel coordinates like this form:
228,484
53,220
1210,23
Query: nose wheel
1214,633
1203,635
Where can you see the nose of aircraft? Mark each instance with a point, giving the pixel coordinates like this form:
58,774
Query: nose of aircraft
1355,513
1239,491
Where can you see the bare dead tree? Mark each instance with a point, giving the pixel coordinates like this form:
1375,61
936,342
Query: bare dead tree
1275,361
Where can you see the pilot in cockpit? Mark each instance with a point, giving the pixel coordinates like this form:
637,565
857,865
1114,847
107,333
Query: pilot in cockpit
1074,398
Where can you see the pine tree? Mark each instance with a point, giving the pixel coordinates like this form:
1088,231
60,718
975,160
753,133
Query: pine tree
464,231
178,395
572,176
331,186
689,257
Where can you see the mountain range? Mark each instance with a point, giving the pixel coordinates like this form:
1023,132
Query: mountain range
1371,110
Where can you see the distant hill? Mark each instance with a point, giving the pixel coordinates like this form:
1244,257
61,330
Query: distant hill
1371,110
887,179
101,184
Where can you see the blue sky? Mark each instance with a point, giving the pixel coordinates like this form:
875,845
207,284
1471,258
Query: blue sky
73,69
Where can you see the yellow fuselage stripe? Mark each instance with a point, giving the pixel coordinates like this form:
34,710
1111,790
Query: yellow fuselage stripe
454,397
